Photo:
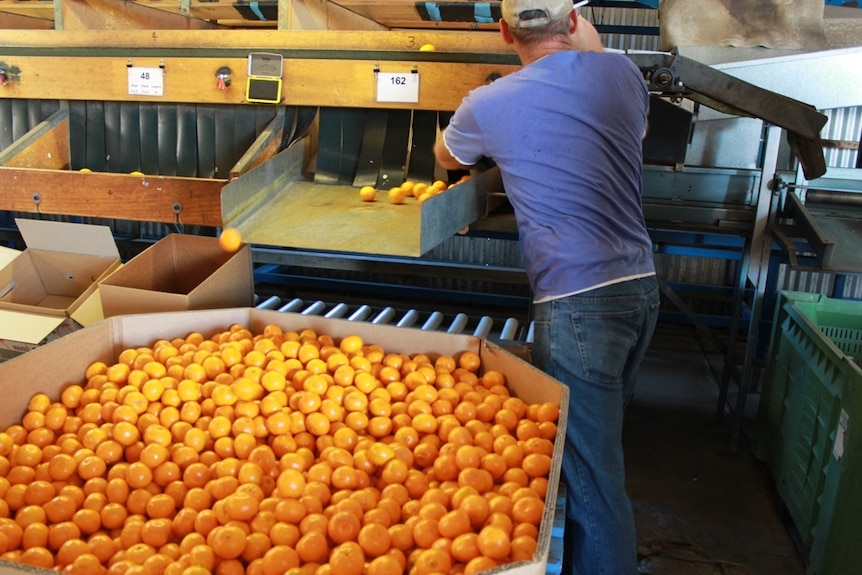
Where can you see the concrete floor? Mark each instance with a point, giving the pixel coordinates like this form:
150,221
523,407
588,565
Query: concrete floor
700,508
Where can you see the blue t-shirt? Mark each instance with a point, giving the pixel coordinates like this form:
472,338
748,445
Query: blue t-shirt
566,133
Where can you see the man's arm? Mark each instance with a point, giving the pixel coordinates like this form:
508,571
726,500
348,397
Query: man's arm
586,38
444,157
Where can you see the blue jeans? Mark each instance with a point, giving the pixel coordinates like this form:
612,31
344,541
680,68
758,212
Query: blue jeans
594,343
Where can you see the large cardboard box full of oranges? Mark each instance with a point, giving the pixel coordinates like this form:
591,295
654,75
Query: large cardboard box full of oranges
57,371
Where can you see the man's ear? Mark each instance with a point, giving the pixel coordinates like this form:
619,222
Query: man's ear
573,22
505,32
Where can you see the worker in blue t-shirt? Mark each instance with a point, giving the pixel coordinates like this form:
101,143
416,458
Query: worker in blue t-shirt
566,132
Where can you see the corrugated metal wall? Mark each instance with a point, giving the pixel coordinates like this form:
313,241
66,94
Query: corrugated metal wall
844,125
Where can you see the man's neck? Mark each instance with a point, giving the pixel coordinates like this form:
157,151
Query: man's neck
530,53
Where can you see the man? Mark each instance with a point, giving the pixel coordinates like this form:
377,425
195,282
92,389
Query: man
566,132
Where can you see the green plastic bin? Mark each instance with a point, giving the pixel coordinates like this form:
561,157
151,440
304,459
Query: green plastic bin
810,425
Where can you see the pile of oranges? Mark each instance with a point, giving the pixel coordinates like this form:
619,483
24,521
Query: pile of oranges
410,189
272,453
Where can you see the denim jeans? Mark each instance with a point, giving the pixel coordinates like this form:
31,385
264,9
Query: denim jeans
594,343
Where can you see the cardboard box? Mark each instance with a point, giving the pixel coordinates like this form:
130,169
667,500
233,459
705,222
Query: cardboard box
180,272
50,288
60,363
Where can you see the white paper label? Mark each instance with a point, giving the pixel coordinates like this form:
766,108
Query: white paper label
398,87
838,447
146,81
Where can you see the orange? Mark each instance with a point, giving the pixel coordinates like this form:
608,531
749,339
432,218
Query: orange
479,564
230,240
313,547
528,510
523,548
470,361
256,546
38,556
291,483
537,464
347,559
343,526
157,532
228,541
430,561
384,565
454,523
426,531
278,560
70,549
367,193
396,195
494,542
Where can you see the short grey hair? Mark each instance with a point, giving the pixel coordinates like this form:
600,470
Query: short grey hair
558,27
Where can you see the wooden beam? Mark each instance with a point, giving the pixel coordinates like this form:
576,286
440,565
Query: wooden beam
335,41
307,82
164,199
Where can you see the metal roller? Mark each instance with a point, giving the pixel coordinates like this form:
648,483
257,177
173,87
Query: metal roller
340,310
833,198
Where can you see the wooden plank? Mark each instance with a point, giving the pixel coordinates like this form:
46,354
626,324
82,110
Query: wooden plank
113,15
31,8
45,146
204,9
307,82
115,196
12,21
403,14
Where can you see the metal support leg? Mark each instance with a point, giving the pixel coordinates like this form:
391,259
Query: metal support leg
733,332
761,250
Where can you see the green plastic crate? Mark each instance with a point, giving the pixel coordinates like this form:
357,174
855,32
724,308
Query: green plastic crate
810,425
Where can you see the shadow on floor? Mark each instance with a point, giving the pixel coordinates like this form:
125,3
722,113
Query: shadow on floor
700,508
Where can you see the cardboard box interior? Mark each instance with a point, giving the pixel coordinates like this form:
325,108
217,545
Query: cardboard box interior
177,273
52,286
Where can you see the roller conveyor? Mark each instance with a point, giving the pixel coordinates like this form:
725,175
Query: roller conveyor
827,218
460,323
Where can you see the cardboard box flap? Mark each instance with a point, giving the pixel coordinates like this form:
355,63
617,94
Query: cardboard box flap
27,327
90,311
6,257
85,239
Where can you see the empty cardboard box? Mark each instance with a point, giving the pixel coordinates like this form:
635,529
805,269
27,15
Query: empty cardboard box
50,288
177,273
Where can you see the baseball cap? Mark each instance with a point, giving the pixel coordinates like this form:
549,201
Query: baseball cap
534,13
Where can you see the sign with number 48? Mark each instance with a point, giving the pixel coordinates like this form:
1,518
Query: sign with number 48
146,81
